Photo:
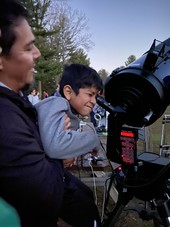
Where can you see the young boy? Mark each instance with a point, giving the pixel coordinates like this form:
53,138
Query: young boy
78,88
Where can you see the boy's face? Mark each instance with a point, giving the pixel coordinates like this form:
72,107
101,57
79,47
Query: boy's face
17,69
84,102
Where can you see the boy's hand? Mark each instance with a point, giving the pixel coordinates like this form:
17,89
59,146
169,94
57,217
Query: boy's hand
69,162
95,153
67,123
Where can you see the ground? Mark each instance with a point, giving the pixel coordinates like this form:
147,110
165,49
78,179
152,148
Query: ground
127,218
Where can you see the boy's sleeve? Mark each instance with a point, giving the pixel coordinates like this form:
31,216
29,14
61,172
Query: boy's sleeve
59,143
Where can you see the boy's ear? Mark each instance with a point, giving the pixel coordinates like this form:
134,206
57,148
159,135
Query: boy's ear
67,90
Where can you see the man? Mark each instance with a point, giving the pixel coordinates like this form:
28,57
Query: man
38,187
33,96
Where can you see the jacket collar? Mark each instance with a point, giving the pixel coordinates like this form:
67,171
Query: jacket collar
21,101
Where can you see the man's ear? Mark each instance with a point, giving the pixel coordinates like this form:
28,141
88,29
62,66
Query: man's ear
67,90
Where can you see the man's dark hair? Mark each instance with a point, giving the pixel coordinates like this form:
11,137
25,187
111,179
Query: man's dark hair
11,12
79,76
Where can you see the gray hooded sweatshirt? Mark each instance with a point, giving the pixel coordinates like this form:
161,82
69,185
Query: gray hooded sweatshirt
60,143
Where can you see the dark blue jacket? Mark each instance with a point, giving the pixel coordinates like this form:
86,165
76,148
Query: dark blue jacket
29,180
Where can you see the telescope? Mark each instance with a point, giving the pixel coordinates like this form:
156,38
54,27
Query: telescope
142,89
135,97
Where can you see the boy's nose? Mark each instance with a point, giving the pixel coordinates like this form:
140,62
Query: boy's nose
93,100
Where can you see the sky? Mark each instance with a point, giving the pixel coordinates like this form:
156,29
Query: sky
121,28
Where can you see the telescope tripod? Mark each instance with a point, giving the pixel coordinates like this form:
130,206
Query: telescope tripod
157,210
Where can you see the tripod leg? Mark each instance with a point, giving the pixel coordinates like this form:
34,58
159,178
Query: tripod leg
156,223
163,209
114,215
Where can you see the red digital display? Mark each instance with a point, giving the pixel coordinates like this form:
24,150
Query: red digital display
128,142
127,134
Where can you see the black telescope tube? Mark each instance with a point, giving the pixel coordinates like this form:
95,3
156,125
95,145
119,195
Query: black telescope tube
142,88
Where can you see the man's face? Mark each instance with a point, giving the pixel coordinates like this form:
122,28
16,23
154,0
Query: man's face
18,68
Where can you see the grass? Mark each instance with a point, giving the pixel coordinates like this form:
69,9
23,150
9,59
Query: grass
154,134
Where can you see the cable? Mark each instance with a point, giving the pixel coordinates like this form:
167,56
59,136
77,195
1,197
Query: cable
101,144
103,204
94,181
108,185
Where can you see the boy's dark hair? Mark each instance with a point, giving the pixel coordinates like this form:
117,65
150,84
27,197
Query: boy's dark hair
79,76
11,12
